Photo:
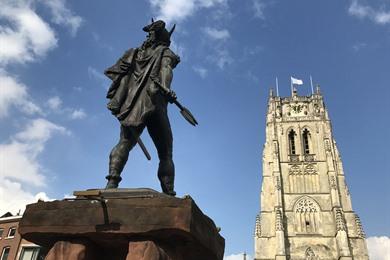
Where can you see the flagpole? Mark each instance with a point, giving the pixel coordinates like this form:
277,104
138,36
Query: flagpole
311,84
292,92
277,87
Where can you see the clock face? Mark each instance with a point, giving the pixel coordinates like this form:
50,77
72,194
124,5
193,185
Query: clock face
296,109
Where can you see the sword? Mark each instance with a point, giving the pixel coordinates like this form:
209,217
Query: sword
141,145
143,148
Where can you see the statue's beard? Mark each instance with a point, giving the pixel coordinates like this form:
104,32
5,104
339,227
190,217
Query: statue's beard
149,41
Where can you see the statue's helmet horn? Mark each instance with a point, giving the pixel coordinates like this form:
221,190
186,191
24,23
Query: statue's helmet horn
172,30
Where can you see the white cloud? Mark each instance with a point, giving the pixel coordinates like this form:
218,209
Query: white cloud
14,93
78,114
100,42
178,10
54,103
237,257
19,156
258,9
365,11
220,54
42,196
27,36
378,248
19,199
221,57
249,75
178,49
63,16
221,12
40,131
78,89
358,46
68,196
98,76
202,72
20,168
215,34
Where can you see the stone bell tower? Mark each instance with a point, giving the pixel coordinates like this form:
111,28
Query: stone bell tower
306,211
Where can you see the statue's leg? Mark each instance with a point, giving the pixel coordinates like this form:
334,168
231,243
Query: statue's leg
120,154
161,134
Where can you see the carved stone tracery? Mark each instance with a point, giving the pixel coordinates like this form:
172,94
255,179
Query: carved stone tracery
306,205
310,169
327,145
359,227
333,183
278,220
303,178
306,215
258,226
278,185
340,223
295,170
310,255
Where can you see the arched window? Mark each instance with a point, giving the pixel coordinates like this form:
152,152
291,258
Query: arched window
305,139
291,141
307,215
5,253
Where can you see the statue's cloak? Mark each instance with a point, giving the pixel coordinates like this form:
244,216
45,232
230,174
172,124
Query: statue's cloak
132,86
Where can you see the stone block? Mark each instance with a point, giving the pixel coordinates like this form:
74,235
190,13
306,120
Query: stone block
123,224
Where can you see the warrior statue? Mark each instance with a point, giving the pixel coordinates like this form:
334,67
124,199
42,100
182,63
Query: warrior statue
139,96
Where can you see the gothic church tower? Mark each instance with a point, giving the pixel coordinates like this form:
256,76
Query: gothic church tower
306,211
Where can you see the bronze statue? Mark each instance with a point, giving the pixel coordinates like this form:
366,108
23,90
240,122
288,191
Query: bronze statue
138,103
139,95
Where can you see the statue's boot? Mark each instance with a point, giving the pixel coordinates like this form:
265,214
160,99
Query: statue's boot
167,185
113,180
118,158
116,166
166,175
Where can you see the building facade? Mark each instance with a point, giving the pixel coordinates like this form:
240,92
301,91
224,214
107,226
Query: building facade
12,246
306,211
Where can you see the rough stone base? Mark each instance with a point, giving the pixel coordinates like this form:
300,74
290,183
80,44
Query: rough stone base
123,224
84,250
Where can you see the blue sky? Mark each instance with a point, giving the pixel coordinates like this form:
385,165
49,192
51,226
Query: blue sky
56,133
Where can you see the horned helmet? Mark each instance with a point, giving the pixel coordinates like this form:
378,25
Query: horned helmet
158,32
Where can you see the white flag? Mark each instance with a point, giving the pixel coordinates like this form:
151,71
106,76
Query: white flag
295,81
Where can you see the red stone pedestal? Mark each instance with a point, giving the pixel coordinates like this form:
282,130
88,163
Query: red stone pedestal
122,224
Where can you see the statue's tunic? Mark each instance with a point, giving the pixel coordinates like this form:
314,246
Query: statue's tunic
133,94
